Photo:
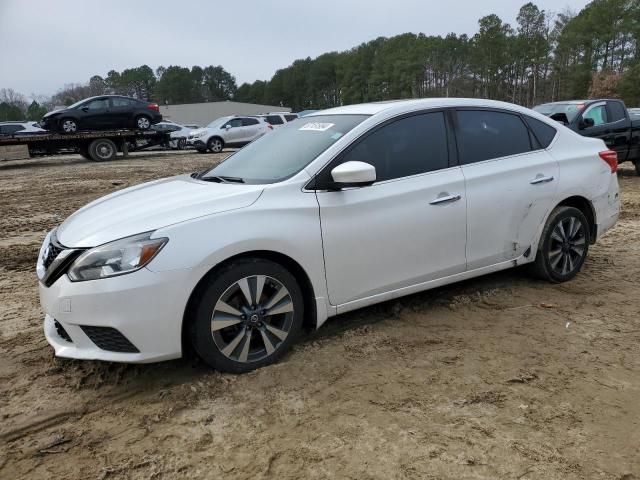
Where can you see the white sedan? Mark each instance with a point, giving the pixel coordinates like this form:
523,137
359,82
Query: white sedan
342,209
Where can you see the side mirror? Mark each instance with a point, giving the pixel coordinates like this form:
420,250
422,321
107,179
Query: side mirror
353,174
85,109
586,123
227,126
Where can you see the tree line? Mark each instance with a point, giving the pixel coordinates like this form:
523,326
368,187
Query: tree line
543,57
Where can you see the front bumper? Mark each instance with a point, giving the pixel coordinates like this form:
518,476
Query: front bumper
145,307
197,143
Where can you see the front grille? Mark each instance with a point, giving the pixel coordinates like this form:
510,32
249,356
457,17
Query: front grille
54,251
110,339
62,332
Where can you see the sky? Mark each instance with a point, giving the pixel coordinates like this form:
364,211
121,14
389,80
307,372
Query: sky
45,44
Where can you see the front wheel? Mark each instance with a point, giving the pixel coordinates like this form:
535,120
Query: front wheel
215,145
563,246
68,125
248,316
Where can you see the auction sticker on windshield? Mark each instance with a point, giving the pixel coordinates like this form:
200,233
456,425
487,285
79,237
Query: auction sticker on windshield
317,127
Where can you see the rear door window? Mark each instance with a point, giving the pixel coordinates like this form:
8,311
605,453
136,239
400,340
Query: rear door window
290,118
121,102
487,134
246,122
616,111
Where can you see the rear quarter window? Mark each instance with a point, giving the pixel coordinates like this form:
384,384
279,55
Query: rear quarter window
543,133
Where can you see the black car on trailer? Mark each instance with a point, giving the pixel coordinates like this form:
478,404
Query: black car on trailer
103,112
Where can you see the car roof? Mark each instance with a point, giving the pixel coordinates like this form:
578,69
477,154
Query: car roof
398,106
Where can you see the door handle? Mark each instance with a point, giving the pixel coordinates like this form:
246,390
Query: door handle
538,180
445,199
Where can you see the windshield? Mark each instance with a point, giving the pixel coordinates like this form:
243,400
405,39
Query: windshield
218,122
571,110
284,152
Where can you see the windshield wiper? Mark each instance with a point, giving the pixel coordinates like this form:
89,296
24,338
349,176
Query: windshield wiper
222,179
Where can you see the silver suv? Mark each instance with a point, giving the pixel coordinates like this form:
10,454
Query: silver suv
234,131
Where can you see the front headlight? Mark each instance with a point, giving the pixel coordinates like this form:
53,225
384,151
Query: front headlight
116,258
198,134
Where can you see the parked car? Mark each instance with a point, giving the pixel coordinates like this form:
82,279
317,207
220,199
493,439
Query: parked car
178,133
608,120
343,209
11,128
277,119
232,131
103,113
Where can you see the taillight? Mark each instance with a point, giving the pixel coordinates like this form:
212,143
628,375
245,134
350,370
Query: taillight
154,106
611,157
269,126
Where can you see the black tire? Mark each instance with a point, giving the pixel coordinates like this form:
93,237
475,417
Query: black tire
142,122
102,150
215,144
68,126
563,246
238,344
181,143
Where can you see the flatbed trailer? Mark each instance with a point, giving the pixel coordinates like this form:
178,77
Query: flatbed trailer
96,145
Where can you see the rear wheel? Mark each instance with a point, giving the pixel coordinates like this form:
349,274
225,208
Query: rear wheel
102,150
215,144
563,246
68,125
248,316
143,122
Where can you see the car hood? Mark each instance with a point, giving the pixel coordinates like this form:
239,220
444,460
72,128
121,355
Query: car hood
198,130
151,206
54,112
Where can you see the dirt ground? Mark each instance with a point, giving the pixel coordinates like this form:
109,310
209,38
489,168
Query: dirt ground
498,377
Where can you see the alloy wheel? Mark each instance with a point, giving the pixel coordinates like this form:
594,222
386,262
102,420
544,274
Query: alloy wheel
143,123
567,245
216,146
252,318
69,126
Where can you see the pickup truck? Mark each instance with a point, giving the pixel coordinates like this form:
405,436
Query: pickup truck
606,119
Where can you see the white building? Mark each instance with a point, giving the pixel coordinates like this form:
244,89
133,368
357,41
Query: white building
203,113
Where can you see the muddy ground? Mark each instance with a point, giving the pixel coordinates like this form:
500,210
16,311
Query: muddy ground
498,377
